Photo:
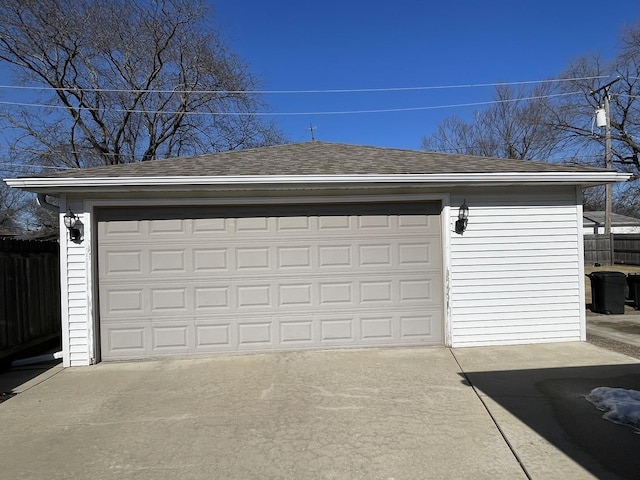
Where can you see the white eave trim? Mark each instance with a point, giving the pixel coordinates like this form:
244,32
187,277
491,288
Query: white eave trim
454,178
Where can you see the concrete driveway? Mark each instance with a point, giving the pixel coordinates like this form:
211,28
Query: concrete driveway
401,413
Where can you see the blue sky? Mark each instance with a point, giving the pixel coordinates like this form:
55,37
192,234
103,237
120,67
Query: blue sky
354,44
406,43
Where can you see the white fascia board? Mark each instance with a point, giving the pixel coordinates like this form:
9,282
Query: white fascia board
575,178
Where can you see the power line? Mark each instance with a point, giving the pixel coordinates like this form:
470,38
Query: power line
30,168
292,92
276,114
624,95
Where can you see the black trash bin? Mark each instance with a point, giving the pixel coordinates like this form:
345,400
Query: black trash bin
633,281
608,292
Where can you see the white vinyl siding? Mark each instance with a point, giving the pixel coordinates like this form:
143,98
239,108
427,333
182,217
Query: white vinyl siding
76,307
515,272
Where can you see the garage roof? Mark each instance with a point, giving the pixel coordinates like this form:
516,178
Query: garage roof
321,162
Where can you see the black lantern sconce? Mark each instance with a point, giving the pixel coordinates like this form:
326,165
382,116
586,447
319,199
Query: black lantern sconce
73,224
463,218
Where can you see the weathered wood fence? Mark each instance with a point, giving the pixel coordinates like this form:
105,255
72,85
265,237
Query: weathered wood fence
29,294
598,249
612,249
626,248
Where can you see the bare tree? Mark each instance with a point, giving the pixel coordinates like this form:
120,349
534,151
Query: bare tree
573,115
558,123
514,126
126,80
12,208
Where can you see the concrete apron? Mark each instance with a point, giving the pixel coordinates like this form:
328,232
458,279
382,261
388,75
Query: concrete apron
401,413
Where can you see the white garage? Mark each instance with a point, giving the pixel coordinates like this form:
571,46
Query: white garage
198,280
317,245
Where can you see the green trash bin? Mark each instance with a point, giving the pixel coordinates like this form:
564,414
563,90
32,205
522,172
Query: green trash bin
608,292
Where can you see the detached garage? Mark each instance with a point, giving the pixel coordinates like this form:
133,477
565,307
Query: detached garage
317,245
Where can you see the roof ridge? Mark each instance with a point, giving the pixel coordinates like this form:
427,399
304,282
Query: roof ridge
319,158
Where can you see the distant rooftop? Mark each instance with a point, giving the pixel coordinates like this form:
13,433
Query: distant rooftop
597,217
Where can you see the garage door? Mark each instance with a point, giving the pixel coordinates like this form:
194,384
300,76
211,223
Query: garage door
179,281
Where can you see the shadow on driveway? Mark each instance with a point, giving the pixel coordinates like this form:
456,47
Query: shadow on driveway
18,379
551,402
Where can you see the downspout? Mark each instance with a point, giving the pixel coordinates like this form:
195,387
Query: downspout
42,201
47,357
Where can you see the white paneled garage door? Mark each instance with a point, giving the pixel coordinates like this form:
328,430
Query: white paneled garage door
191,280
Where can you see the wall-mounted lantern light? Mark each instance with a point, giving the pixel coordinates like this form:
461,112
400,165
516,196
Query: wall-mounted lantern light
463,218
71,221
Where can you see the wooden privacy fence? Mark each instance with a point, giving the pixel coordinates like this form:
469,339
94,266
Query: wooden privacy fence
29,294
598,249
611,249
626,248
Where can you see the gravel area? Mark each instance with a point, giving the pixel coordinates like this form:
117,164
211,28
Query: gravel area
615,346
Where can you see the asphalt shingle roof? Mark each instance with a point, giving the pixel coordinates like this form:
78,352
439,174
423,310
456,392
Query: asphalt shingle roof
616,219
318,158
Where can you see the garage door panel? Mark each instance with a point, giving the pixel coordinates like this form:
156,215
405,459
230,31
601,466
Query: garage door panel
351,275
412,326
428,224
210,260
171,227
376,255
207,226
418,255
127,339
298,332
123,262
296,295
335,256
415,290
376,292
383,222
338,292
256,333
296,224
334,224
257,296
173,337
122,302
253,258
211,298
379,328
214,337
163,260
121,229
337,330
169,299
294,257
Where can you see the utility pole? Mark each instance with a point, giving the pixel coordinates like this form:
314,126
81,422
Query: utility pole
608,196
